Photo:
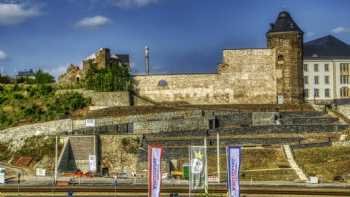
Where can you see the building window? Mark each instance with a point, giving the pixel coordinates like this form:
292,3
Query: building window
316,79
326,93
344,92
305,67
316,93
306,93
344,79
306,80
316,67
326,79
326,67
344,67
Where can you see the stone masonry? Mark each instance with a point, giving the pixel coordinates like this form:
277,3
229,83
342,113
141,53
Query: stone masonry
246,76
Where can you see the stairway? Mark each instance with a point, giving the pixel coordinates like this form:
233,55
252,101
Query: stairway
76,152
293,164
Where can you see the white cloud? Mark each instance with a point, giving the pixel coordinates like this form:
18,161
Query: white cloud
92,22
133,3
341,29
11,13
310,34
57,71
3,55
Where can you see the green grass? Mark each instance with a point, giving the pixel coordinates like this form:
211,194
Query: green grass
22,104
326,162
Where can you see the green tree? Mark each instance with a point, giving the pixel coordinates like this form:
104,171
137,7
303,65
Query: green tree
115,78
42,77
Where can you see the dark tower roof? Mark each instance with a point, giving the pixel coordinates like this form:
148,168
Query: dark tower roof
326,47
284,23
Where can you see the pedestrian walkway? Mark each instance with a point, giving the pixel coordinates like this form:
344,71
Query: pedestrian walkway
293,164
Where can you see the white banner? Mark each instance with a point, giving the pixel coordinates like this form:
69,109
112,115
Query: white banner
154,169
2,176
233,165
198,168
92,163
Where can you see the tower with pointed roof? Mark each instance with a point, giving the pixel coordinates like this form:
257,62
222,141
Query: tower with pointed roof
287,38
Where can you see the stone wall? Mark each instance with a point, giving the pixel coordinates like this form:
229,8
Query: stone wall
246,77
103,99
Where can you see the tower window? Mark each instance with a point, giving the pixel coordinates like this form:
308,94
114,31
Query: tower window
280,59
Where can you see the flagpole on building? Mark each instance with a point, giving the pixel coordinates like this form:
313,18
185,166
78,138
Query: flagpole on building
218,154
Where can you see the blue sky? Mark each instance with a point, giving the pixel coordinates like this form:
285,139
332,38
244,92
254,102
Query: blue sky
183,35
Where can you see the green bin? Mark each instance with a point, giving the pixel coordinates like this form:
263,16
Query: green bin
186,171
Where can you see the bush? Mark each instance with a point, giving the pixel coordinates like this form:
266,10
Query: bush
115,78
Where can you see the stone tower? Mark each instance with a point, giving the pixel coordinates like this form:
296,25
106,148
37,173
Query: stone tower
103,58
287,38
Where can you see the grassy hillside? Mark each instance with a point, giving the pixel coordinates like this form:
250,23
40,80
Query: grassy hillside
21,104
326,163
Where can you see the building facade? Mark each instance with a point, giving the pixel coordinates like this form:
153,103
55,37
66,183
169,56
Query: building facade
326,71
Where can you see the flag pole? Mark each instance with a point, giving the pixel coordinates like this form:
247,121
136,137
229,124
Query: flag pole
206,166
189,171
218,154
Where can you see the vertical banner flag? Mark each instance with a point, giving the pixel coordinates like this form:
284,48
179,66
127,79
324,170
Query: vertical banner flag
154,172
198,168
233,165
92,163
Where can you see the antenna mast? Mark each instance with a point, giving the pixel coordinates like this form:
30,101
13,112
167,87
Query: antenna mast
147,60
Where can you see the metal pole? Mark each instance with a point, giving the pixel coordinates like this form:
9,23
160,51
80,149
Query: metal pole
218,154
56,156
206,166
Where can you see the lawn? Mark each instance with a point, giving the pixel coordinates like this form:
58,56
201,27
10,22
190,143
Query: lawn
325,162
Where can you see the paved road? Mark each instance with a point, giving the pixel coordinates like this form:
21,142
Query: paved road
141,190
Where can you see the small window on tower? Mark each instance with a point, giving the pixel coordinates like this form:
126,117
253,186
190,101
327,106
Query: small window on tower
162,83
280,59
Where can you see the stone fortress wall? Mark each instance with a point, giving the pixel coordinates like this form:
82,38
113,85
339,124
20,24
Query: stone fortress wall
247,76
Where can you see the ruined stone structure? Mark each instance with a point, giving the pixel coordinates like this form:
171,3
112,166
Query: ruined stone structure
72,75
246,76
102,59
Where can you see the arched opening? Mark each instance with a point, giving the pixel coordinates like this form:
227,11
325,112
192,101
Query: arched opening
344,92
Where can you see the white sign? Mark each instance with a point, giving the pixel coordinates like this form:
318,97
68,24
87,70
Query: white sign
280,99
92,163
313,180
90,122
2,176
40,172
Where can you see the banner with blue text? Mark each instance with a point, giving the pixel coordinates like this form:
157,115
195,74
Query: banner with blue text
154,170
233,165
